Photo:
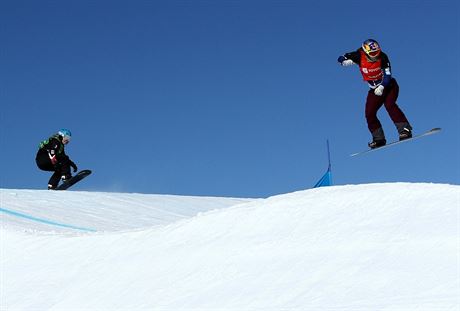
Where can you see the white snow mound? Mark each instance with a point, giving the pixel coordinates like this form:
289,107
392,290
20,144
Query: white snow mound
365,247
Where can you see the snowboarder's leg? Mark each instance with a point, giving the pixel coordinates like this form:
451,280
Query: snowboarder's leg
378,134
373,104
397,116
378,139
44,163
63,169
54,180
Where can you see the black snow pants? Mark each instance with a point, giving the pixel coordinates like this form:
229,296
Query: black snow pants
60,169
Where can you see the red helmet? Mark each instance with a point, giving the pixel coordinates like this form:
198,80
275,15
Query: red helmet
371,48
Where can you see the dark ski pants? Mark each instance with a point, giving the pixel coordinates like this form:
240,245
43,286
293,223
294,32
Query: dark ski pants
388,98
59,169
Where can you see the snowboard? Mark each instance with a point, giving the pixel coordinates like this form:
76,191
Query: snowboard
430,132
73,180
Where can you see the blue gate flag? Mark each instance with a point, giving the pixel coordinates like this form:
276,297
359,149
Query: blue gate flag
326,180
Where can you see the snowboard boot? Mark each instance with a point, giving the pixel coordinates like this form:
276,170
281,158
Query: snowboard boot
377,143
404,130
378,139
66,177
51,187
405,134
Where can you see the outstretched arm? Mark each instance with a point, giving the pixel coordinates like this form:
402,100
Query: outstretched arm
348,59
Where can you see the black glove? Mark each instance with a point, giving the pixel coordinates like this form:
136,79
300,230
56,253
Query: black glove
74,166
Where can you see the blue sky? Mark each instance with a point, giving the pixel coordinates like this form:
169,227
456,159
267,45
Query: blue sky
228,98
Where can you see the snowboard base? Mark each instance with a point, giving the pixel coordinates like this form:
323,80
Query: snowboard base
430,132
73,180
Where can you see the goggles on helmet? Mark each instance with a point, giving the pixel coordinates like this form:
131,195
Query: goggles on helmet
66,135
374,53
371,48
66,139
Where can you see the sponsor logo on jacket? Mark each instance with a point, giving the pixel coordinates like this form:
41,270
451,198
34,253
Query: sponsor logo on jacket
370,70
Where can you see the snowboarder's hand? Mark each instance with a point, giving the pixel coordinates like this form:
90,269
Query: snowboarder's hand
379,90
52,157
53,160
345,62
74,166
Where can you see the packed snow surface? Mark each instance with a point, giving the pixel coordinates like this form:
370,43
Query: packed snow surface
359,247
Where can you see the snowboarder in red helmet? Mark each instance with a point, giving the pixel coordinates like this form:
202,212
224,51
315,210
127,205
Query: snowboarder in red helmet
375,68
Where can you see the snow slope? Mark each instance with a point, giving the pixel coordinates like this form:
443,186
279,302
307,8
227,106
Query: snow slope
364,247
